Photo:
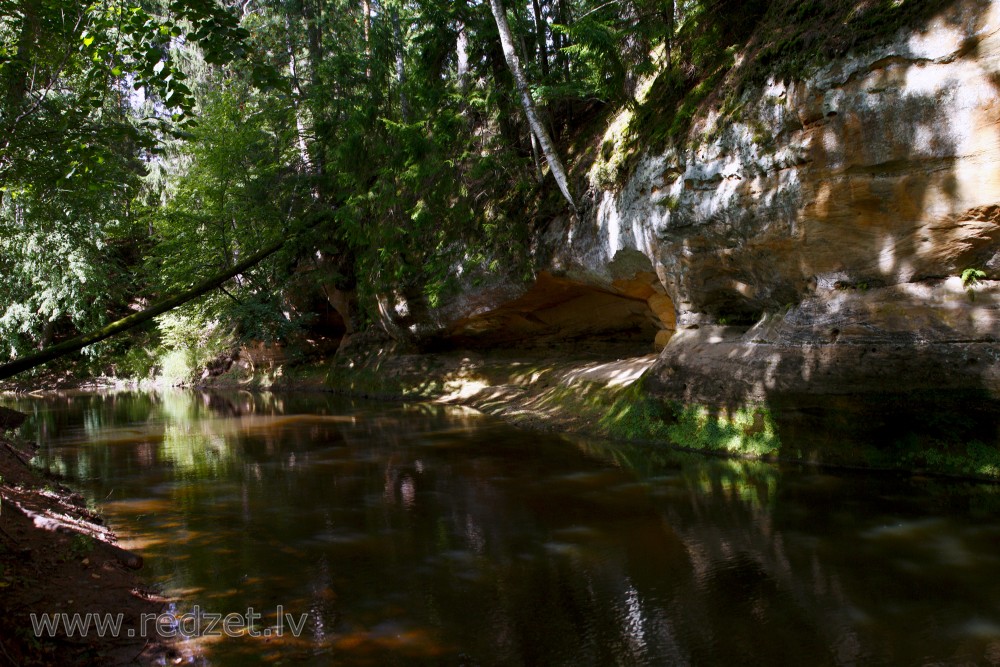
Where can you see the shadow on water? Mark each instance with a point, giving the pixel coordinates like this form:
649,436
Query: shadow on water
418,534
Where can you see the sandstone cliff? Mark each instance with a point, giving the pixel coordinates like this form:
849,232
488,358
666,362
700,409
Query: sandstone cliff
827,242
800,242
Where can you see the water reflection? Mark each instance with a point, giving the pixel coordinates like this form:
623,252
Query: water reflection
416,534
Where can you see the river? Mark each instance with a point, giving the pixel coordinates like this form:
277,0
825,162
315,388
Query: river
423,534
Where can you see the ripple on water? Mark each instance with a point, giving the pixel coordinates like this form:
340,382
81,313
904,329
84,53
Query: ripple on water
562,548
578,533
913,530
345,539
981,628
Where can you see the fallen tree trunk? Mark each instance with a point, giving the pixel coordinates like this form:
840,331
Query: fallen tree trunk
134,320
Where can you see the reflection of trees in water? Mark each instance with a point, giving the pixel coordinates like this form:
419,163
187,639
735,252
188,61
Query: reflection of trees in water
459,534
61,413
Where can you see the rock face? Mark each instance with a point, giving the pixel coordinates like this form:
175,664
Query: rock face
929,335
830,226
813,244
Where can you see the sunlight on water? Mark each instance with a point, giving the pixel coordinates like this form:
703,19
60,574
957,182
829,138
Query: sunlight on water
418,534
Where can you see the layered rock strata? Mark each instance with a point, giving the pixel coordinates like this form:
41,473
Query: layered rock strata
836,236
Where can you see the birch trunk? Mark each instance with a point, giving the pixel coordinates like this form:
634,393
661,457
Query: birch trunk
397,34
537,127
539,176
366,18
300,123
462,53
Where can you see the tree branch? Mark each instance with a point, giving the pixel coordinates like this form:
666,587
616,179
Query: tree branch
134,320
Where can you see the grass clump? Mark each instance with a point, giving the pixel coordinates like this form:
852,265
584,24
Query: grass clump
747,431
633,415
974,459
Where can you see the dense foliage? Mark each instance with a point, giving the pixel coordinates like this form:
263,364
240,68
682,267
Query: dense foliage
146,144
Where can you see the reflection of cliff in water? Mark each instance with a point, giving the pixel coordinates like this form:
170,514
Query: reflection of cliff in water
848,562
416,533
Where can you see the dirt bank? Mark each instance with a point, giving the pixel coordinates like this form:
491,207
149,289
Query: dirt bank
57,557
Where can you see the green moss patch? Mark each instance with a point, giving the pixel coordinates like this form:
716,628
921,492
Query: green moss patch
634,415
914,432
974,459
746,431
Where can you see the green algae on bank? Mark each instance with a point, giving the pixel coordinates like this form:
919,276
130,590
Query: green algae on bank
595,398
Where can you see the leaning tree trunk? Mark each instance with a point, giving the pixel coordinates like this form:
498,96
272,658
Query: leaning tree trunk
134,320
548,148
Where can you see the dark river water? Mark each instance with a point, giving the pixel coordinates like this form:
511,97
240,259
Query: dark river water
419,534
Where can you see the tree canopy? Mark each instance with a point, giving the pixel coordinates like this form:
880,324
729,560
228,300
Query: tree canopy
149,144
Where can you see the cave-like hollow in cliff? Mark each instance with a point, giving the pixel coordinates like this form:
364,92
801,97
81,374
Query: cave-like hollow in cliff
559,315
